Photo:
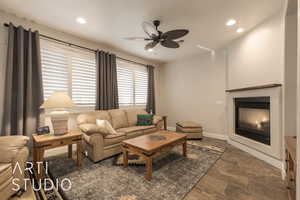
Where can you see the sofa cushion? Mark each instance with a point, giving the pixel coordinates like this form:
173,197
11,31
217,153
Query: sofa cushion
118,118
134,128
5,172
103,115
134,134
114,139
150,130
132,114
86,118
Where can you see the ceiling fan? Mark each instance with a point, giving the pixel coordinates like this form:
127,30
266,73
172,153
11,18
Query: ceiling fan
168,39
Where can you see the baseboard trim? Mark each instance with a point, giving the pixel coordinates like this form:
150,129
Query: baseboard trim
171,128
206,134
268,159
215,135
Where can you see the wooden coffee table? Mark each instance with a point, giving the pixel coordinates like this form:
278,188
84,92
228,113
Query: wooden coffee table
148,146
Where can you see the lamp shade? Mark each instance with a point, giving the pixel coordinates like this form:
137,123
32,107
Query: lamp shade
58,100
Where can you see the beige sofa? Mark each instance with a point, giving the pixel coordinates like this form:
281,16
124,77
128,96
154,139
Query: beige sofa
100,146
13,150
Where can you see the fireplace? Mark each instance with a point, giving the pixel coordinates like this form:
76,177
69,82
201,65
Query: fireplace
255,120
252,118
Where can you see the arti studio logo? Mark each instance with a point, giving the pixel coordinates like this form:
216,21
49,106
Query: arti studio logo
46,184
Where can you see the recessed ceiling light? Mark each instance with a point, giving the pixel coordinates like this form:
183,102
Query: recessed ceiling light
81,20
150,50
240,30
231,22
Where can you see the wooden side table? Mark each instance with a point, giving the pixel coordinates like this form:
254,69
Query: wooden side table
165,122
291,165
45,142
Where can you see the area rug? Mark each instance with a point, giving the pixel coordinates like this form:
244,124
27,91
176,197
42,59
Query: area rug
173,176
216,149
134,159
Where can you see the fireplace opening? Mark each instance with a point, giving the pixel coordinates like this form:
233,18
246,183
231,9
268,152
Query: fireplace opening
252,118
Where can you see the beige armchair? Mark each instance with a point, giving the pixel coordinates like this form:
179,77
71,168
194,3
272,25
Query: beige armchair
13,150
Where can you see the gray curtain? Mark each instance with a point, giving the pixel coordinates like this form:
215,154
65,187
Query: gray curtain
107,86
23,83
150,108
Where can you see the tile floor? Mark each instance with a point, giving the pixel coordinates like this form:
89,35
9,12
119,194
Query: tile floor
239,176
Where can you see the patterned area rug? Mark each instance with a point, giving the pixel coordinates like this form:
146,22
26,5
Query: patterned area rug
216,149
138,160
173,176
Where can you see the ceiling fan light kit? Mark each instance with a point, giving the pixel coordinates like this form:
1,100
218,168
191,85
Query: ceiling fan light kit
155,36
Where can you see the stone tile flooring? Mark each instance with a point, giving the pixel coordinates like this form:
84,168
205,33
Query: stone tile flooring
235,176
239,176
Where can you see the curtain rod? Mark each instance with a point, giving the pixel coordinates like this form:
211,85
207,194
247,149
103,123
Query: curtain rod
78,46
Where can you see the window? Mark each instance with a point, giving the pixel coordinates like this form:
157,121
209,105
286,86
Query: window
71,70
132,84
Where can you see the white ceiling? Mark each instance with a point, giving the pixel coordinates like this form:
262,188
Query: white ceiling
109,21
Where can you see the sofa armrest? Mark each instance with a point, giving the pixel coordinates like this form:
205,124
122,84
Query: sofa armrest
93,139
91,129
10,146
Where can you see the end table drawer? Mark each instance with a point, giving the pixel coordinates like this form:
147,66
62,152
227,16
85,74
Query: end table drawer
64,142
59,143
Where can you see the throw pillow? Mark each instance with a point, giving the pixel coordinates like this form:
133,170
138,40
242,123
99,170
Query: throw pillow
144,120
105,127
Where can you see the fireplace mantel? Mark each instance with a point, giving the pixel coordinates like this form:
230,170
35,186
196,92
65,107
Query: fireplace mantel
255,87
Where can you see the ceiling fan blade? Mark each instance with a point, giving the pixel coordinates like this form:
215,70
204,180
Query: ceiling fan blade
174,34
136,38
149,29
151,45
169,44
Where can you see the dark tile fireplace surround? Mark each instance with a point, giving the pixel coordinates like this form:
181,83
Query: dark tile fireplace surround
252,118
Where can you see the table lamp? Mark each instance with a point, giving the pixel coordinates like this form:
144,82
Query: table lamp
58,105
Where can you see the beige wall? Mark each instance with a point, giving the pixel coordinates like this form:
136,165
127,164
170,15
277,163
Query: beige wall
258,57
194,89
290,76
4,18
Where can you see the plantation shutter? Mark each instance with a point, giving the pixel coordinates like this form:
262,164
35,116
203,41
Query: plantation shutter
54,71
125,86
70,70
141,86
132,84
83,81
